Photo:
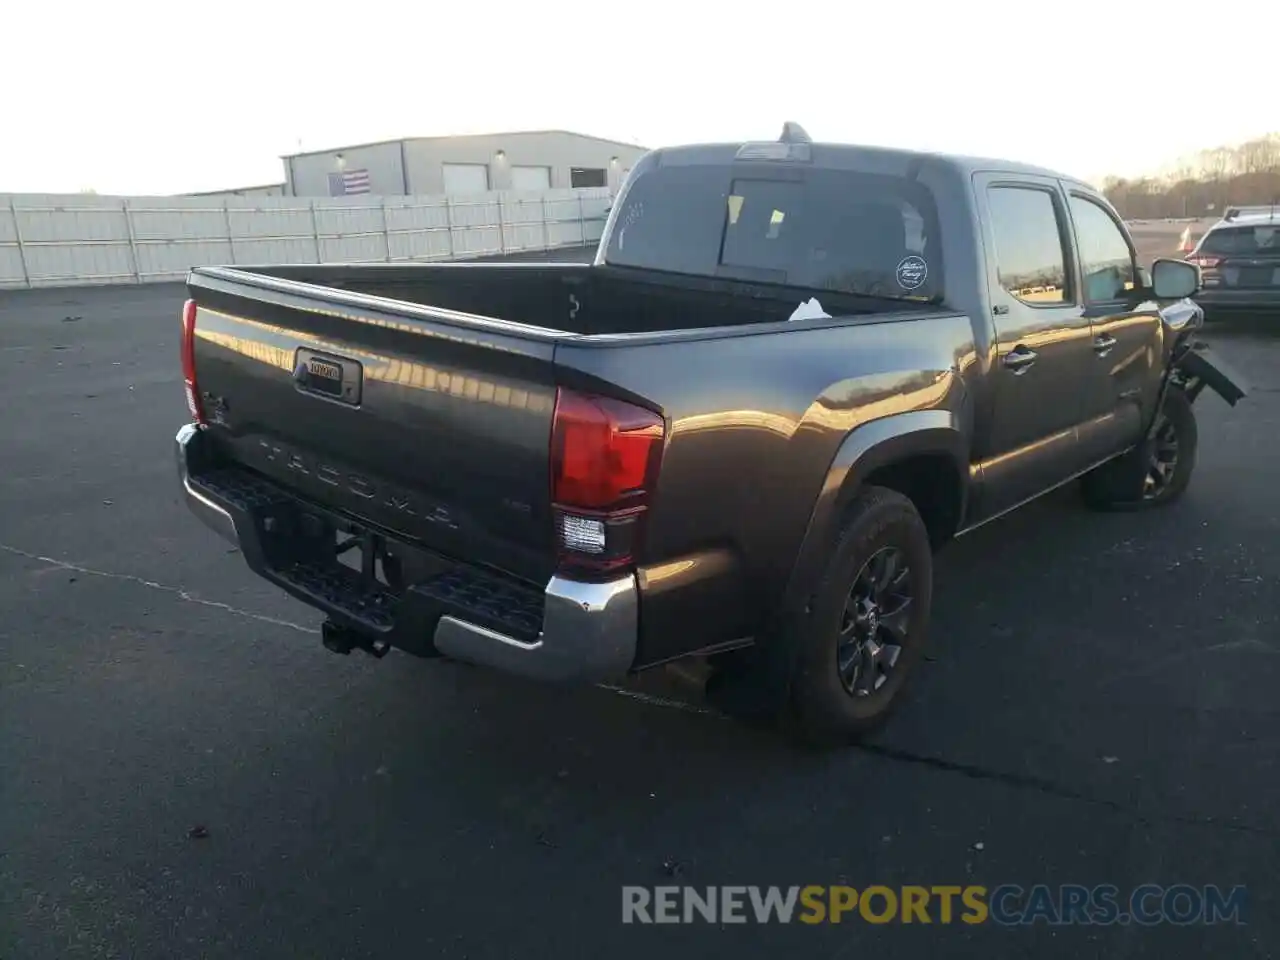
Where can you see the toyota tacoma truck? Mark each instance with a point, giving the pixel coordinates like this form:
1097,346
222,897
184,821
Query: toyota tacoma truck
792,372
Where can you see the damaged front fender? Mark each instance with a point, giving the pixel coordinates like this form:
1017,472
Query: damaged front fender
1200,366
1193,363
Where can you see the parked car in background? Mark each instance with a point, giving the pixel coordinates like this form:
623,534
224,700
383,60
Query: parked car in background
1239,261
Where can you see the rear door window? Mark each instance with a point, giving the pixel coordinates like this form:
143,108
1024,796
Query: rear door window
821,229
1031,262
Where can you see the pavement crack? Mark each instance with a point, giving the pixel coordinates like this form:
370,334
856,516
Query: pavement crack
1052,789
179,592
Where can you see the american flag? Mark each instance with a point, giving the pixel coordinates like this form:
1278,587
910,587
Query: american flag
348,182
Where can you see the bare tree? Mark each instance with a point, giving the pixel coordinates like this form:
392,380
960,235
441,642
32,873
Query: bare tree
1247,173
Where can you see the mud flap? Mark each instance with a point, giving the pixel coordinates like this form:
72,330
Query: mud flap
1201,367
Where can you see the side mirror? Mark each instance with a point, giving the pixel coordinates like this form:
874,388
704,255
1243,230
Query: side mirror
1174,279
1144,278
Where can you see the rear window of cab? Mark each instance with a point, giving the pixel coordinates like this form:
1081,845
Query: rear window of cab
825,230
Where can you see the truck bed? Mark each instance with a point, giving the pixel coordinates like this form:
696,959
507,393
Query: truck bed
438,429
568,297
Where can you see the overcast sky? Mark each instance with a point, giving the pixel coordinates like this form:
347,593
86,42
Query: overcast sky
135,97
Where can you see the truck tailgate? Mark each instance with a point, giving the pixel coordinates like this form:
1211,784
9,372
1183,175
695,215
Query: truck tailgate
431,425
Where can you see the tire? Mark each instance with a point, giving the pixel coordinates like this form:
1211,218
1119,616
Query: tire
882,532
1133,482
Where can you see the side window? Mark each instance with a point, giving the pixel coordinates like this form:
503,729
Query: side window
1030,260
1105,258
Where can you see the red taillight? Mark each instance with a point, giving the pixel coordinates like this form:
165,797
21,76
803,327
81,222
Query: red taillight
605,457
189,361
1200,260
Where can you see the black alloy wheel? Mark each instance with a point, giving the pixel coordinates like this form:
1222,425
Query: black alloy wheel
1162,462
875,625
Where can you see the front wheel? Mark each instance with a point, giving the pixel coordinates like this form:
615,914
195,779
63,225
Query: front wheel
1156,472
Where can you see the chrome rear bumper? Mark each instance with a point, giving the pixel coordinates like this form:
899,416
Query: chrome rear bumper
589,631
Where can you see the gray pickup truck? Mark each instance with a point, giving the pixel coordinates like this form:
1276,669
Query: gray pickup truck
793,372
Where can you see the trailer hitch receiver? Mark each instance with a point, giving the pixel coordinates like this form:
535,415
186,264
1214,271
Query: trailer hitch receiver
343,640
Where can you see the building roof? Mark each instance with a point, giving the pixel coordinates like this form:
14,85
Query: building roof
466,136
210,193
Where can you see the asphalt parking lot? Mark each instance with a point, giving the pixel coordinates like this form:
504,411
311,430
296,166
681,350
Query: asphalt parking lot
186,772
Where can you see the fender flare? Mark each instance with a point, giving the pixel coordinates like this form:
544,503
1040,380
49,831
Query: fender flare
865,449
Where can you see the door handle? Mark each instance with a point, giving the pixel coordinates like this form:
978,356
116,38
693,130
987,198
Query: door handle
1020,359
1103,343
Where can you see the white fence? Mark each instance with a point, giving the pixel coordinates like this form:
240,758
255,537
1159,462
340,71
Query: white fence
52,240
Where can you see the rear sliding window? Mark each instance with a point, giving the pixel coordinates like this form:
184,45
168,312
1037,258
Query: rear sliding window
820,229
1260,239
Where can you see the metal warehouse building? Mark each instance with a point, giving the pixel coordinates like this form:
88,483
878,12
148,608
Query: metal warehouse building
536,160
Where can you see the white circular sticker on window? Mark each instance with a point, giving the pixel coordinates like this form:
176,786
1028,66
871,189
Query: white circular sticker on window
912,272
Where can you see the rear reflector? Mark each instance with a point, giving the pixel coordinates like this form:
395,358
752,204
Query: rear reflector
605,458
194,405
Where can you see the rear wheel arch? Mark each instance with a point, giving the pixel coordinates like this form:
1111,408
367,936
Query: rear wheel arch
931,480
920,454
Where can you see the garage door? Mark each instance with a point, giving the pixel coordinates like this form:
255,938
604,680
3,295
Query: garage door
465,178
530,178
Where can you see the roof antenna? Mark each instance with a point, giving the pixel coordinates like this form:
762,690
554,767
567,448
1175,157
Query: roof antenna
792,132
